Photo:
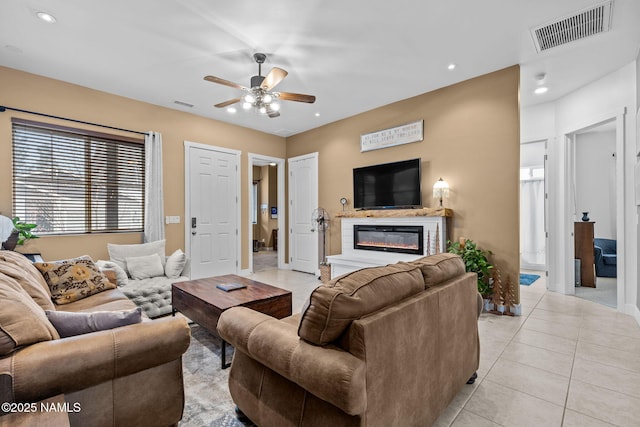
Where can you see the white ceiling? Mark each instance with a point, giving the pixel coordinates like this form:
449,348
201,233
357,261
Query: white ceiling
352,55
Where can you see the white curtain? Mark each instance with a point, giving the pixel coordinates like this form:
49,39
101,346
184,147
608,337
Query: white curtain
153,196
532,241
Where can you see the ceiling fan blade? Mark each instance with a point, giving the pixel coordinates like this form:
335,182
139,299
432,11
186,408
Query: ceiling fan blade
298,97
274,77
273,114
227,103
218,80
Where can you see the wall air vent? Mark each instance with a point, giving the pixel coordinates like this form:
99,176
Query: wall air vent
585,23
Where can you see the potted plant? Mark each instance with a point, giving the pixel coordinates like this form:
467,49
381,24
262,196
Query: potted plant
22,231
475,261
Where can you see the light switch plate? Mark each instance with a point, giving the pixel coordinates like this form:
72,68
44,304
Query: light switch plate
172,220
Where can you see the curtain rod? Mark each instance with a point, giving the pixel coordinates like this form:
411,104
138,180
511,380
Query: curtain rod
4,108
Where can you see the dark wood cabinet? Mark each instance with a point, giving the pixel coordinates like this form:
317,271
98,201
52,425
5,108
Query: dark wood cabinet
583,238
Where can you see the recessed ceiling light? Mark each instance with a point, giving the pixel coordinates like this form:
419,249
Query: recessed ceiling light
46,17
451,66
231,110
317,114
540,90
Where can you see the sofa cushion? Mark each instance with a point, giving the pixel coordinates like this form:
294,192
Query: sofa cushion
121,276
69,323
20,268
610,259
22,321
439,268
332,307
175,264
144,267
74,279
119,253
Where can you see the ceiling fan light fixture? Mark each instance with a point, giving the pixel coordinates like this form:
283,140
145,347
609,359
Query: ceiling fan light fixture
262,109
249,98
267,98
274,106
246,105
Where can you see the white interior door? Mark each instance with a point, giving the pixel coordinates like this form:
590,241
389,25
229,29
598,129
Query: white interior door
213,211
303,199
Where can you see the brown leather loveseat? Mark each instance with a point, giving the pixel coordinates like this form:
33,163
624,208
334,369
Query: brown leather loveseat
126,376
382,346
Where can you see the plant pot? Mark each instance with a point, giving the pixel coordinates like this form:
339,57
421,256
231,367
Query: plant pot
12,241
516,309
488,305
501,308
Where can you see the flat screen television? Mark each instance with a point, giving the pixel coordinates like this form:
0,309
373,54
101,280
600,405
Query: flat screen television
387,186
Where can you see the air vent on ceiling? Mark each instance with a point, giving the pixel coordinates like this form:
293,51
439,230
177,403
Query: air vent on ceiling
184,104
585,23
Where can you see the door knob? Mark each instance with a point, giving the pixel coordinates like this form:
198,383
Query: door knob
193,233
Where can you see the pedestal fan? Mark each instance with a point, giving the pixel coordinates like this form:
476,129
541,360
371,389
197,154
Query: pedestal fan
320,222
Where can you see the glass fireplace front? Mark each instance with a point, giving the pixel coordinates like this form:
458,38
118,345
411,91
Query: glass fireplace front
405,239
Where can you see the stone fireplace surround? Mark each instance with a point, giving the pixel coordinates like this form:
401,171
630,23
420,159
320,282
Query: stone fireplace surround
435,234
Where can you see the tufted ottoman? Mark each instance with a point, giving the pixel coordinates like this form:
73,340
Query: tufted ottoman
152,294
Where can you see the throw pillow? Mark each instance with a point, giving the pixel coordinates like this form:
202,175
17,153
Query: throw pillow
69,323
333,306
22,321
121,276
119,253
144,267
175,264
73,279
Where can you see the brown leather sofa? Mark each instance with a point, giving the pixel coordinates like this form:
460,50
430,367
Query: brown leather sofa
383,346
127,376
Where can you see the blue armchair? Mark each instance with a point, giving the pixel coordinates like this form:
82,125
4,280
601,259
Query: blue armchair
605,257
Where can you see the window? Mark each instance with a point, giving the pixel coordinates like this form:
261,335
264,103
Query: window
531,173
70,181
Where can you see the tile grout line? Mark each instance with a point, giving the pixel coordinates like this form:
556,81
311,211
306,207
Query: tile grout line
494,363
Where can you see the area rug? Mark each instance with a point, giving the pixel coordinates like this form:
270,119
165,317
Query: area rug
207,399
527,279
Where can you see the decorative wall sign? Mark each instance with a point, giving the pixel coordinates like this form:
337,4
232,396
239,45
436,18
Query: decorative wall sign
404,134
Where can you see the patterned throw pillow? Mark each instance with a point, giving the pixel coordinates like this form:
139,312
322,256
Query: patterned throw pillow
74,279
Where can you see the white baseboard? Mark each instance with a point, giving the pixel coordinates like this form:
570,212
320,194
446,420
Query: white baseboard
633,311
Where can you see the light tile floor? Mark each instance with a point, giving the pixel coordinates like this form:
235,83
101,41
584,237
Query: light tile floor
565,362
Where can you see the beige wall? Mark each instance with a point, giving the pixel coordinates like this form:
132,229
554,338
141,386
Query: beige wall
471,139
30,92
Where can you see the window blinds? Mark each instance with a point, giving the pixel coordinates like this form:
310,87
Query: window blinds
70,181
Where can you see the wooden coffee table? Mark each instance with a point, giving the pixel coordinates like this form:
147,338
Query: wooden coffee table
203,303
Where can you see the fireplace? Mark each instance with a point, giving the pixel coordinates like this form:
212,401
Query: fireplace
405,239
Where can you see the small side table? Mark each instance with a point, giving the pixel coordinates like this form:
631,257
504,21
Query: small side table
34,257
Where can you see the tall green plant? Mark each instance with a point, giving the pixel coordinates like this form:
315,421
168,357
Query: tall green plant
475,261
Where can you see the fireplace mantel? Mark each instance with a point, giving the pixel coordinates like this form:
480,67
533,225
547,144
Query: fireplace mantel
435,234
395,213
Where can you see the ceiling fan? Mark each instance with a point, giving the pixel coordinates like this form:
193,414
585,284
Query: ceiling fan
261,96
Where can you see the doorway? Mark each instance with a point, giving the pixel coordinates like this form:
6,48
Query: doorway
570,213
533,206
212,211
266,213
594,190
